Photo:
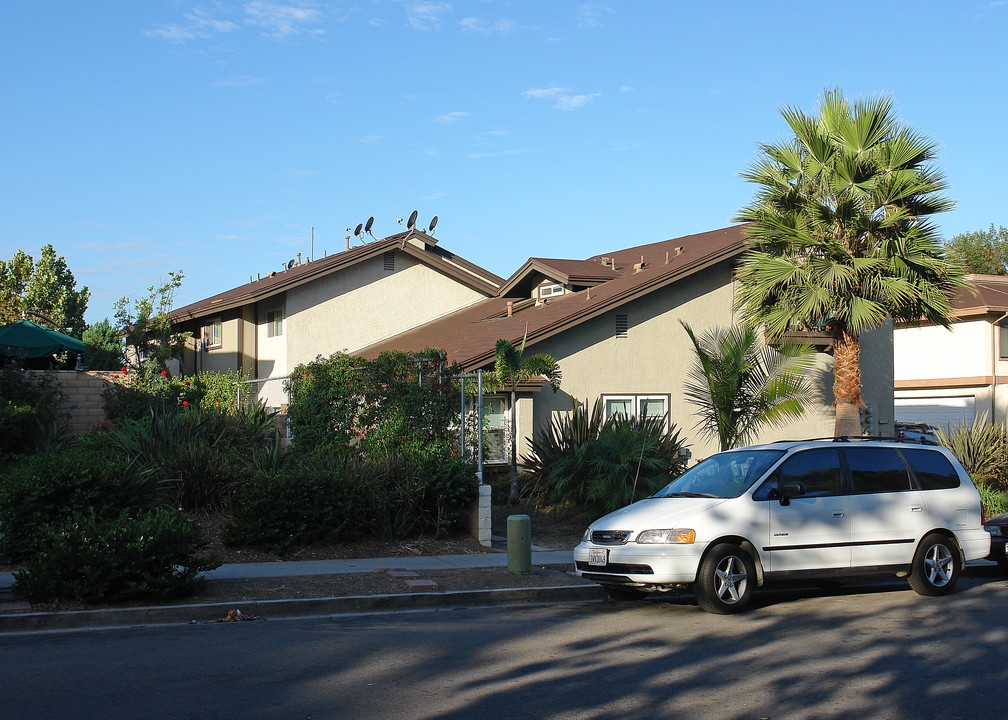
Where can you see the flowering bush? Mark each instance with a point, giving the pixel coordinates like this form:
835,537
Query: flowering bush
133,394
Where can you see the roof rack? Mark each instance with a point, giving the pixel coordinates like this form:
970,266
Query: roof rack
863,438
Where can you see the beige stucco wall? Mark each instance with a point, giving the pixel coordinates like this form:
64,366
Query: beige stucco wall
365,303
657,355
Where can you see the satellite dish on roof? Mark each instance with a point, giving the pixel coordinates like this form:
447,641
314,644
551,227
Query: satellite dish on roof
357,230
433,224
368,224
290,264
411,223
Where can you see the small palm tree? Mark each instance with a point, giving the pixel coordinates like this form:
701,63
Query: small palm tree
841,235
740,385
510,368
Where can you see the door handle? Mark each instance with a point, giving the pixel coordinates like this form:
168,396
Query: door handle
839,514
915,508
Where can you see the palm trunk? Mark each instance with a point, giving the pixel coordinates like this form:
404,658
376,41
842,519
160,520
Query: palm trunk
848,400
513,497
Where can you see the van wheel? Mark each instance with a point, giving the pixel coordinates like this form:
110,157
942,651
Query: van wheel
935,567
725,580
617,592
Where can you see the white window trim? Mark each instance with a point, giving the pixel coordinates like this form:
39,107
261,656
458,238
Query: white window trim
635,402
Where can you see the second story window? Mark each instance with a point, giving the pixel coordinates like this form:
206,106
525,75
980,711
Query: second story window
274,323
212,334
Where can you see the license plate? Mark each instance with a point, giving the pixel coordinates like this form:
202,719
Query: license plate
598,556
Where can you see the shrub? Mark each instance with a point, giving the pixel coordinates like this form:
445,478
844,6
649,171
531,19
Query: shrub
133,394
398,402
198,456
308,500
330,497
90,557
19,428
994,502
45,489
29,408
598,465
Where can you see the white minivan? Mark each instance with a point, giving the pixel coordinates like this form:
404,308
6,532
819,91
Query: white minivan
790,510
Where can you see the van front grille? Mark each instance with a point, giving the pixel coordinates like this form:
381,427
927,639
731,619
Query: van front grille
610,537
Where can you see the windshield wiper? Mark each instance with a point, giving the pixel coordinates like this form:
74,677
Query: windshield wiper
687,495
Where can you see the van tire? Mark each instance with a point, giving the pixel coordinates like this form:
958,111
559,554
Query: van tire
725,580
936,566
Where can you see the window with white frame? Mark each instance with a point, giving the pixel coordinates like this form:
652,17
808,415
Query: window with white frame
636,405
546,291
212,334
274,323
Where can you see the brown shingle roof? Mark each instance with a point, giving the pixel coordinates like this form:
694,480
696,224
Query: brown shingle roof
440,259
469,335
988,294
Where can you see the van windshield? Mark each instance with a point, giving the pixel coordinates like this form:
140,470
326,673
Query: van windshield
725,475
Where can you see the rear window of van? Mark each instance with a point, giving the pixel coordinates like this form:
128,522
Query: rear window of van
933,470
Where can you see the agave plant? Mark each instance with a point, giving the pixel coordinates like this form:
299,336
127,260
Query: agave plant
598,465
980,448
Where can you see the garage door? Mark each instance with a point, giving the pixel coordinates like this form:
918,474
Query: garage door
939,411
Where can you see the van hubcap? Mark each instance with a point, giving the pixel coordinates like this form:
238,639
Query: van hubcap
730,582
938,563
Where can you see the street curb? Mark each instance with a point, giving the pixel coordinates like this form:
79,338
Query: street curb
270,609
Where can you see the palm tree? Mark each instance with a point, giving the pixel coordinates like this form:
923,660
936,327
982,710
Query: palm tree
510,368
841,236
740,385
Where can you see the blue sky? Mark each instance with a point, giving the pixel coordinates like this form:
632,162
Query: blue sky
211,137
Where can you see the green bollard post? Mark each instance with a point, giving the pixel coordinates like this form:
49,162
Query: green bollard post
519,544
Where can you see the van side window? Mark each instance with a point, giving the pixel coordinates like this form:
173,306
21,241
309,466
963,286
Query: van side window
817,470
877,470
933,470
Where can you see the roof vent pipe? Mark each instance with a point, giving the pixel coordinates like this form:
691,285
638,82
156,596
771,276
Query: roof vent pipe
299,258
510,308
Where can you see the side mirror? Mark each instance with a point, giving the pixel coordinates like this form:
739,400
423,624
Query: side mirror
790,490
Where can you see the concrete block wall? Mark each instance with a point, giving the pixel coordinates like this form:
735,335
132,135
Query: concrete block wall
82,397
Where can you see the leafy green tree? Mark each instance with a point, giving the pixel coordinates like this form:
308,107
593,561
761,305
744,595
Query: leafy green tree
104,346
984,252
841,234
147,327
740,385
46,287
511,367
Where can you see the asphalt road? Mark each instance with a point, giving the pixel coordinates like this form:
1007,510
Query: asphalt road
871,651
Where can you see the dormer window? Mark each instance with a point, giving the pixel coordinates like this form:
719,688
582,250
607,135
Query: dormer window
547,291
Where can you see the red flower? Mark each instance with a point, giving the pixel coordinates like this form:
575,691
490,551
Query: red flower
115,377
186,382
122,369
185,402
164,373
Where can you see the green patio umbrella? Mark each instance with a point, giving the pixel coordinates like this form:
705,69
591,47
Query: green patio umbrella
26,339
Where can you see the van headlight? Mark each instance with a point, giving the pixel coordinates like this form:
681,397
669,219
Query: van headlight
587,535
681,536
